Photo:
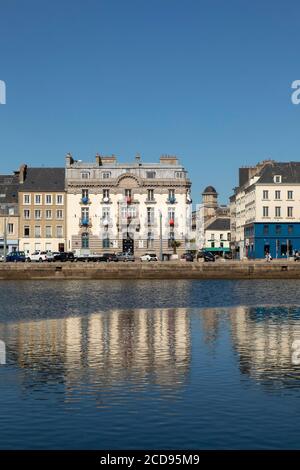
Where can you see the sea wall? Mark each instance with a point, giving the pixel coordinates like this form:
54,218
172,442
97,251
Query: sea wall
152,270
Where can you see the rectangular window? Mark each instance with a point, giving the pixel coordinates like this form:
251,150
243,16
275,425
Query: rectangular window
85,215
171,195
38,199
171,239
277,211
59,231
27,199
106,195
127,192
59,199
37,231
265,211
265,194
48,231
106,242
229,236
171,214
106,175
179,174
37,214
290,194
212,236
48,199
150,215
278,229
266,229
150,174
48,214
106,213
85,175
150,240
10,228
26,214
277,194
150,193
290,212
26,231
221,236
85,194
59,214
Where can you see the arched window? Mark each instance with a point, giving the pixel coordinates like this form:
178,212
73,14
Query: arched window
85,242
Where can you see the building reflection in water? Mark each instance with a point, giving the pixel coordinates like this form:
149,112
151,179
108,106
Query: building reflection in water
263,338
103,349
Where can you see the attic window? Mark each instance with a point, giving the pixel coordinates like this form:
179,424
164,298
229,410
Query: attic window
277,179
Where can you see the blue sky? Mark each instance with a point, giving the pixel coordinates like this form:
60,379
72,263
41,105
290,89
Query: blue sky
207,80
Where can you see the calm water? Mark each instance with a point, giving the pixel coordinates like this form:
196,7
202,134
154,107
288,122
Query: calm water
154,364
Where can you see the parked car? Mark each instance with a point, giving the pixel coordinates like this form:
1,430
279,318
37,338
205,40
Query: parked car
208,256
38,256
149,257
125,257
63,256
50,256
16,257
188,256
228,255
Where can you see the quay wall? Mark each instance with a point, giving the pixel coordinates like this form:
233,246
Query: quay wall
152,270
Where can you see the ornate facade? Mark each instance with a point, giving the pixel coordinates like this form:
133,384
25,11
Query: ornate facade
115,207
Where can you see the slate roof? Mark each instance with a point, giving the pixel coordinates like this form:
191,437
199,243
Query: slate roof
290,172
44,179
219,224
209,189
9,185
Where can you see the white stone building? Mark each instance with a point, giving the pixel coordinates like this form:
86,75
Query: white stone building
115,207
265,210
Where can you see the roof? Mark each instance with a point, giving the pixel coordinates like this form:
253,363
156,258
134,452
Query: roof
290,172
44,179
209,189
219,224
9,189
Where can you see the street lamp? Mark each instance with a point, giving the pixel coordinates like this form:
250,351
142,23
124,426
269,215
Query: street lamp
4,240
160,236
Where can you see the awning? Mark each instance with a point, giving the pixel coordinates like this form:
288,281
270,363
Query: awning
217,249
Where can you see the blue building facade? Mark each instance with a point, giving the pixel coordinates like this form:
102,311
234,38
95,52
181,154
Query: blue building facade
278,239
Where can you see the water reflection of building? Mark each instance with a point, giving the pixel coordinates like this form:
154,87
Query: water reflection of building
263,338
105,347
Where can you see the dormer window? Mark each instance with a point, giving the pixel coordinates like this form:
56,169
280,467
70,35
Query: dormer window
85,175
277,179
106,175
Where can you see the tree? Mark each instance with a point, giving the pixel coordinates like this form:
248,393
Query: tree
175,245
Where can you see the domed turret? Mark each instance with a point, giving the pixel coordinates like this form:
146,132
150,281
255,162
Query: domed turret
209,190
210,202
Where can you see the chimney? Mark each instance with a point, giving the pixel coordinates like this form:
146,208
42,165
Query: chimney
69,159
22,173
169,160
98,160
109,160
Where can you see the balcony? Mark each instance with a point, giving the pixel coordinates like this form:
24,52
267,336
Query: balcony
85,201
106,200
85,222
